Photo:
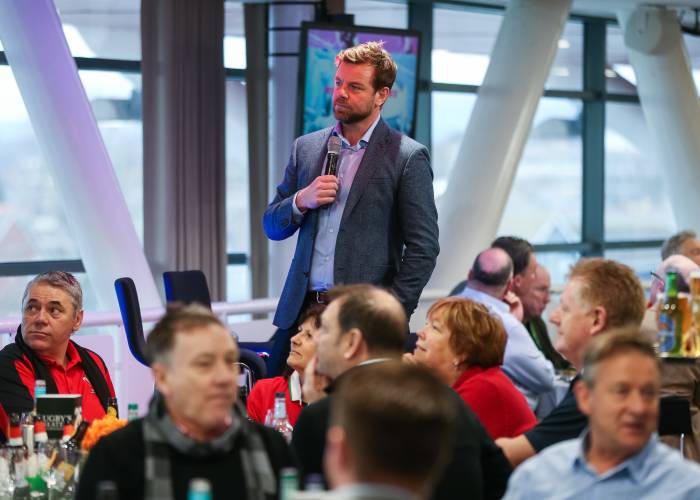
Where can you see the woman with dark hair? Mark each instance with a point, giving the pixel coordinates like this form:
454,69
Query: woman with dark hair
464,344
261,399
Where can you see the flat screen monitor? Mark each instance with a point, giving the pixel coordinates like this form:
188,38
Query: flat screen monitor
320,43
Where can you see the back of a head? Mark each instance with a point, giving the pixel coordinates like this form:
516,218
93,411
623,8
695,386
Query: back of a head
615,287
399,420
519,250
376,313
492,268
672,246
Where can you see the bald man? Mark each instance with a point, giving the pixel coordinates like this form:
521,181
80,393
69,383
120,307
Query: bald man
489,280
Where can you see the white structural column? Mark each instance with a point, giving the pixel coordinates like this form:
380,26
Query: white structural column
284,67
670,103
76,157
471,208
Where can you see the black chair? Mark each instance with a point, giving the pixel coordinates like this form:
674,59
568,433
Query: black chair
190,287
674,418
186,287
131,318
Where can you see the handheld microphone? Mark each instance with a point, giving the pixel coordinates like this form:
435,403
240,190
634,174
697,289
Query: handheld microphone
332,156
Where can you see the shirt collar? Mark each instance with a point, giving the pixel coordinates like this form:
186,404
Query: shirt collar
364,140
636,464
295,387
72,357
486,299
467,374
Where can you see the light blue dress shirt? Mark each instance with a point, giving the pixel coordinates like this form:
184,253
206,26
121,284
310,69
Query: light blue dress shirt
323,258
562,472
523,362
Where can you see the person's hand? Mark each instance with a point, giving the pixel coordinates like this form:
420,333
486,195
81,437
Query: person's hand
314,386
515,305
409,358
322,191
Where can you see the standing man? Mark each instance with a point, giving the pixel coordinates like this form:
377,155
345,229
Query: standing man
376,221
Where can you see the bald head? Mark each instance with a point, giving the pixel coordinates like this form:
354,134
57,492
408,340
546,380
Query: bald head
491,272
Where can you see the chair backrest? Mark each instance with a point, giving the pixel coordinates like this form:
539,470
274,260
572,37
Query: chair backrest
186,287
254,363
674,416
131,318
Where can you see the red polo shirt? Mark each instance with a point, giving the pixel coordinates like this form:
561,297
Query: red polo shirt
70,379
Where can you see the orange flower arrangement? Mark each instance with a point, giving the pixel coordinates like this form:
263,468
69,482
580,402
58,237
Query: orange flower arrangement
100,428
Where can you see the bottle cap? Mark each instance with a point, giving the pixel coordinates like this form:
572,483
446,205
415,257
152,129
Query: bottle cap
199,485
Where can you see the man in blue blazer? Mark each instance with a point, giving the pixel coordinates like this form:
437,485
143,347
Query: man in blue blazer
376,221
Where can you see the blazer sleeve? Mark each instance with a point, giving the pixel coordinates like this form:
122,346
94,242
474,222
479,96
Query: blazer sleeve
278,220
419,229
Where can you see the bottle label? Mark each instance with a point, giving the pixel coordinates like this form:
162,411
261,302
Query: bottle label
666,335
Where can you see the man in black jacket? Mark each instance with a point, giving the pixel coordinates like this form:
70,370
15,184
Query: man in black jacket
192,429
364,325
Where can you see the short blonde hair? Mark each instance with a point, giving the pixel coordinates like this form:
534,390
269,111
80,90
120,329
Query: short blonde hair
371,53
612,285
476,335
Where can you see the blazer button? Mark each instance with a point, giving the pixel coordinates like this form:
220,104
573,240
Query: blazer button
285,222
306,274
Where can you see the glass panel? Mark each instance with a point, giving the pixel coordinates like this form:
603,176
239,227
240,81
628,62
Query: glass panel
106,30
642,260
621,78
619,74
383,14
33,225
12,288
558,264
567,68
234,36
238,283
237,196
544,205
451,112
637,205
462,45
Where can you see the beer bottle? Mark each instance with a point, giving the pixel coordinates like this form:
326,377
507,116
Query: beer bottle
671,319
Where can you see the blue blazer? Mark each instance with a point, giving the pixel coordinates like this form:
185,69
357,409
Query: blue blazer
388,233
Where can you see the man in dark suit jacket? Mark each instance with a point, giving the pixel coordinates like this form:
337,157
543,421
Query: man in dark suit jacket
376,221
365,325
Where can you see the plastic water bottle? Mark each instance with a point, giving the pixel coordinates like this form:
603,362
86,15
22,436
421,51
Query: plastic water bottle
279,421
289,482
200,489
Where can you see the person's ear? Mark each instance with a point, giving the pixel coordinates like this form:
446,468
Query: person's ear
583,397
337,457
382,95
78,321
160,378
600,319
354,343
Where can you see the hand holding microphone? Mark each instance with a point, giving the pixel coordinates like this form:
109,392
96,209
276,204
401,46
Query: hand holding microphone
324,188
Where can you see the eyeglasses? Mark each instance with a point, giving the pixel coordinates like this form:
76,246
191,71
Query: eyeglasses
656,276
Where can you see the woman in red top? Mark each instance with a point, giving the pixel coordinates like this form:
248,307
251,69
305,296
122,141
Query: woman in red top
464,344
261,399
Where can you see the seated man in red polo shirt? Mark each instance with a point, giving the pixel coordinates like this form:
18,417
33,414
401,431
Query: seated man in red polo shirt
52,310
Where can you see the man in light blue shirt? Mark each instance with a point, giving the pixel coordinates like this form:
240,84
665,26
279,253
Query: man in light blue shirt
526,366
619,456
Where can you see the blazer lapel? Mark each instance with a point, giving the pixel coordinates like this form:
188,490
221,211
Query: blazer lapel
315,160
369,164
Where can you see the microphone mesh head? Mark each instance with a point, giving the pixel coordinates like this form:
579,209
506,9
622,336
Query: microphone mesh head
334,144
